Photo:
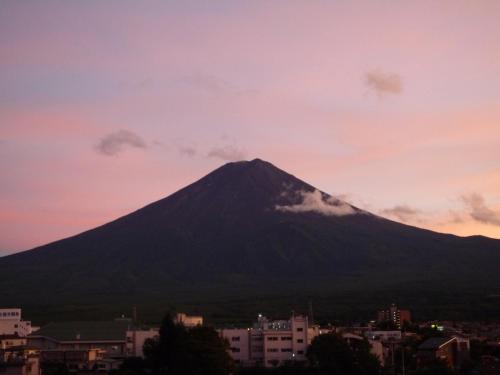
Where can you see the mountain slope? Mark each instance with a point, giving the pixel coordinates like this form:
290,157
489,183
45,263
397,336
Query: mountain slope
245,226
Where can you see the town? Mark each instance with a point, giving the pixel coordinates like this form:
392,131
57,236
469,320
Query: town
399,345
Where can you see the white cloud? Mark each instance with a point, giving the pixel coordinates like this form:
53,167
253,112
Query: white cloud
315,201
227,153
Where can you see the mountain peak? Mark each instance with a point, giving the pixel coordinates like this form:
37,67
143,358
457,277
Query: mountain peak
245,226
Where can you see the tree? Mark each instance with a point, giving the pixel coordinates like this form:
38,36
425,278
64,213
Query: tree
331,354
196,351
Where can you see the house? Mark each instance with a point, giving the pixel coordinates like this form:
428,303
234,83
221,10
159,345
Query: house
85,345
19,360
451,350
9,341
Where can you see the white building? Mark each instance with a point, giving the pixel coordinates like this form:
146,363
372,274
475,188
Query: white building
12,324
188,321
270,343
136,340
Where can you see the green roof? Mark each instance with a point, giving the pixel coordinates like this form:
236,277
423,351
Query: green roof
86,331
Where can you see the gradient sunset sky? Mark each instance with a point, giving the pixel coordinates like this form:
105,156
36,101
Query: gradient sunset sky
106,106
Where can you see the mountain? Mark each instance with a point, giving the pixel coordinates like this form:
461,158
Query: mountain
247,230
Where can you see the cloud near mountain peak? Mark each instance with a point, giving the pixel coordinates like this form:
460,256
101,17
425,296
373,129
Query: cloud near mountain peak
315,201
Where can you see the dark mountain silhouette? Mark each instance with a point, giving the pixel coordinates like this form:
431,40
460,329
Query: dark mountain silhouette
247,228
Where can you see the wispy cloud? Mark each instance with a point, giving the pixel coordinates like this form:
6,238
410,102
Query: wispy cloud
315,201
114,143
479,211
383,83
187,151
227,153
208,82
402,212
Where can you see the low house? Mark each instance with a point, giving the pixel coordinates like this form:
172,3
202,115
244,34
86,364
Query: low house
9,341
451,350
19,360
90,345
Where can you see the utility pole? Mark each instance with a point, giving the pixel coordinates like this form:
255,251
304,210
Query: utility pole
311,315
403,359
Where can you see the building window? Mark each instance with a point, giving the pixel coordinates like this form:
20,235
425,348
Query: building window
300,352
300,329
235,350
235,338
272,350
272,338
286,338
285,350
300,341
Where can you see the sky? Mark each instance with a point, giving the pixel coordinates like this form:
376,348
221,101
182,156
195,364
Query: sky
108,106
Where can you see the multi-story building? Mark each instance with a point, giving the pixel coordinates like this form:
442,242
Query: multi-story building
394,315
271,343
136,339
12,324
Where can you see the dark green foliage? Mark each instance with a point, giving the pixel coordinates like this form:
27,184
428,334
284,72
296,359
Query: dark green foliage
331,354
181,351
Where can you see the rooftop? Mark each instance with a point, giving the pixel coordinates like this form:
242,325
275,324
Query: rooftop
434,343
85,331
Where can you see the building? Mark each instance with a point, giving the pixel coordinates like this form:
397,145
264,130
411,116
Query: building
87,346
395,315
384,336
74,359
188,321
19,360
136,339
451,350
270,343
12,324
11,341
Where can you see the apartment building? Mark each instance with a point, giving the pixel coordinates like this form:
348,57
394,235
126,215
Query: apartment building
395,315
11,323
271,343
